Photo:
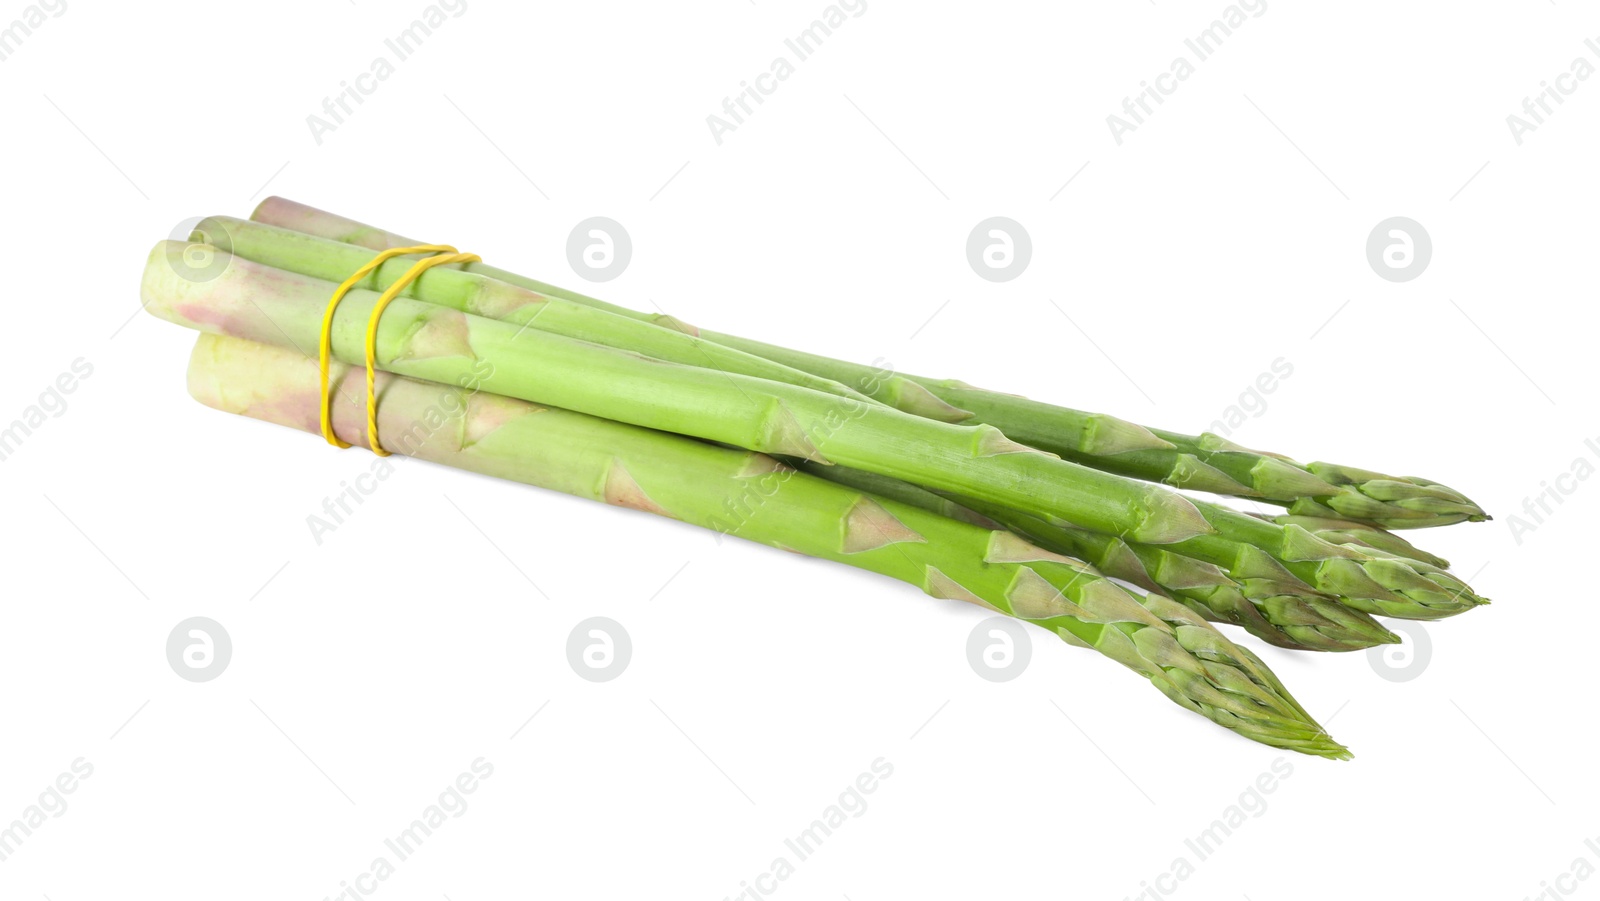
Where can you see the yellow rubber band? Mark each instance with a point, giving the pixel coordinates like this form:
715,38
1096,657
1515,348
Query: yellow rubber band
372,332
325,343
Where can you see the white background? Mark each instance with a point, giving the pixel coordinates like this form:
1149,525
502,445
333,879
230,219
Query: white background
1226,232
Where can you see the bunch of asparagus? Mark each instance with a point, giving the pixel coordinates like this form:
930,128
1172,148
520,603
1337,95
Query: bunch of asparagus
1058,517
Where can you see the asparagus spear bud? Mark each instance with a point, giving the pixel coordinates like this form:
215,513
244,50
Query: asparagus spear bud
756,497
1267,557
1392,501
1278,614
422,340
1210,462
1300,621
1361,534
1206,462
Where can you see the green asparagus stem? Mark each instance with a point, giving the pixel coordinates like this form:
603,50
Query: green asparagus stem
425,341
1202,463
470,292
1271,563
756,497
1206,462
886,386
1304,621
